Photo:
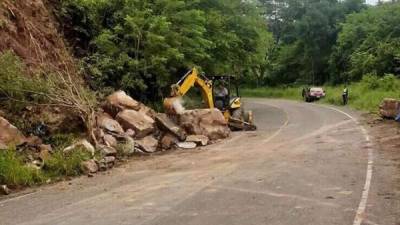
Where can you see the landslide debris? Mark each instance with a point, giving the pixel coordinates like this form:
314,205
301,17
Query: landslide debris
123,127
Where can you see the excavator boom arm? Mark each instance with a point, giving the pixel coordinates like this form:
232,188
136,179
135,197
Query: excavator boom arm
192,79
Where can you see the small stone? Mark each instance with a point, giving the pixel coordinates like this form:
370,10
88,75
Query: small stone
186,145
81,144
4,190
198,139
106,163
89,167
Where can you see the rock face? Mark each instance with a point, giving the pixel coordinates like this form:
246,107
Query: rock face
139,122
9,135
165,123
120,101
148,144
208,122
389,108
109,124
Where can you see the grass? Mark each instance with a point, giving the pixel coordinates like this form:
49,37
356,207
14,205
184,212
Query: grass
365,95
66,165
15,173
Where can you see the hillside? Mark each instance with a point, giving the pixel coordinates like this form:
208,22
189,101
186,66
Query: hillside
29,30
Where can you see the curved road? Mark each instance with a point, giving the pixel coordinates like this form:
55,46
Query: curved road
306,165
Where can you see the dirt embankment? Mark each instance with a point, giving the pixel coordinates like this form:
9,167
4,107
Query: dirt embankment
29,30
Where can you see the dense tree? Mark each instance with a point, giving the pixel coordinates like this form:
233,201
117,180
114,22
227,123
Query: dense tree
305,32
142,46
369,42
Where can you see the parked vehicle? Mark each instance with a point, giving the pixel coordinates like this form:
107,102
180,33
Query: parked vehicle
313,94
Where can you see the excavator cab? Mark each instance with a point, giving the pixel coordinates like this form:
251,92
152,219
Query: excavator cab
232,106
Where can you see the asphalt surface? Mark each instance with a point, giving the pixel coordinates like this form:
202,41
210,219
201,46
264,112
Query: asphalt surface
306,165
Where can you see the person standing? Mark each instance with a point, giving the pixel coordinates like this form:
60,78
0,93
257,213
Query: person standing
345,95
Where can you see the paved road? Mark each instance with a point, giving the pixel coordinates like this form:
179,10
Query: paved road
306,165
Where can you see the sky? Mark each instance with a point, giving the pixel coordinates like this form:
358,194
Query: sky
372,2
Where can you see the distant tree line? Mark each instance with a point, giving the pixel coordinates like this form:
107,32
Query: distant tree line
320,41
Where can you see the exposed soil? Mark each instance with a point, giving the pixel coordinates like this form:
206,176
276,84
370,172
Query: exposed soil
29,30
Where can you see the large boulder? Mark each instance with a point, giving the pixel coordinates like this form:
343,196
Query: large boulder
109,124
142,124
166,124
389,108
208,122
147,110
9,134
119,101
148,144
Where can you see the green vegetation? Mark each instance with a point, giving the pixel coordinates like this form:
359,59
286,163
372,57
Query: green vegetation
365,95
61,164
144,46
16,88
15,173
369,43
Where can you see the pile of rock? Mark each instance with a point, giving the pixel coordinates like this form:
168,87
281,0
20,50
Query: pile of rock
125,126
389,108
11,136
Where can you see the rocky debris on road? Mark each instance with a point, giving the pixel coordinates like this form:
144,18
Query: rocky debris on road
165,123
186,145
148,144
389,108
142,124
89,167
124,127
4,190
9,134
82,144
118,102
208,122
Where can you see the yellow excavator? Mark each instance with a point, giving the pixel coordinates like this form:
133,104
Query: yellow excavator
230,106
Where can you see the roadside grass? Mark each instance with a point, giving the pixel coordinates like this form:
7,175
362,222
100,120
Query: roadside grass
62,164
365,95
15,173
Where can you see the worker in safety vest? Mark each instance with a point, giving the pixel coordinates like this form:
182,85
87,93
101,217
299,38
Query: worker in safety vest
345,95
